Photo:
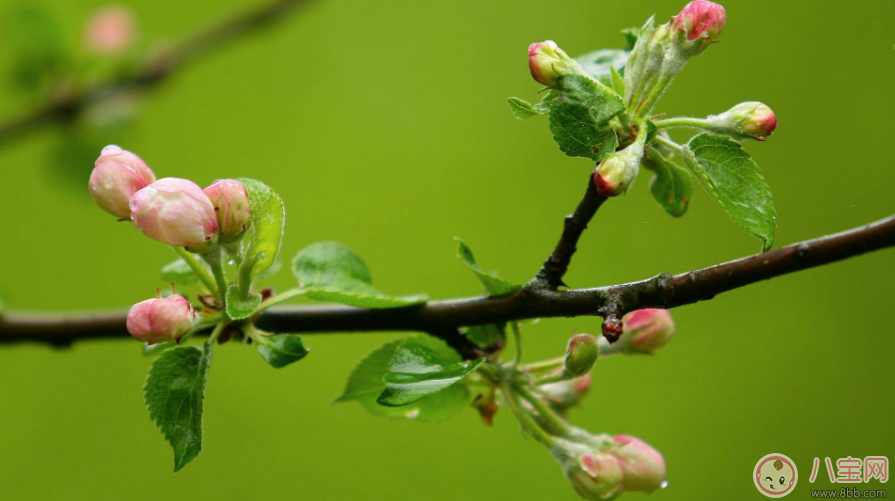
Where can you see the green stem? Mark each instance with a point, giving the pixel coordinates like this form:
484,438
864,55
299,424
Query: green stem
557,423
654,95
207,320
279,298
213,258
668,143
196,266
525,419
517,337
216,332
545,365
693,123
244,275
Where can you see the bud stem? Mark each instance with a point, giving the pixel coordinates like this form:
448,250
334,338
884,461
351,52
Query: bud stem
517,337
557,424
279,298
525,419
197,267
545,365
214,259
693,123
216,332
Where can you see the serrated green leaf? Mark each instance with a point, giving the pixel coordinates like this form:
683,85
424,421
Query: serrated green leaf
280,350
618,82
174,393
365,385
600,63
493,285
239,308
734,180
578,118
521,108
330,271
417,372
268,221
486,335
179,272
672,186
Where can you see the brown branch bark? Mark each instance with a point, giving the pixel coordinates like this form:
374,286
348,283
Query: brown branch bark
153,70
442,318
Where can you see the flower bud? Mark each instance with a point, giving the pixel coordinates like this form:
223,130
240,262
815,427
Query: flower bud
159,320
110,31
647,330
116,176
744,121
563,395
581,355
548,62
701,20
615,175
593,474
231,204
643,467
176,212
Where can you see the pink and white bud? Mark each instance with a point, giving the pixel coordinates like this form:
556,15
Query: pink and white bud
110,31
647,330
563,395
176,212
231,204
749,120
701,20
594,475
548,62
643,467
116,176
616,174
160,320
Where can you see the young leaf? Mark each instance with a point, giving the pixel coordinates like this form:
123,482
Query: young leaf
365,384
239,308
174,393
618,82
330,271
179,272
280,350
417,372
522,108
486,335
579,116
493,285
600,63
732,178
268,220
672,186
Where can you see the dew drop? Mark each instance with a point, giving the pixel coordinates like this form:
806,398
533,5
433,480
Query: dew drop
231,262
664,484
413,413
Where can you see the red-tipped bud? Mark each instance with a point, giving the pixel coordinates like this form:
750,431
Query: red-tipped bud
176,212
581,355
548,62
116,176
647,330
749,120
231,204
594,475
159,320
615,175
643,467
701,20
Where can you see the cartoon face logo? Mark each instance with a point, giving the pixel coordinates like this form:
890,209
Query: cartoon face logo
775,475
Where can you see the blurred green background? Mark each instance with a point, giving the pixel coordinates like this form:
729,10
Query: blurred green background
384,125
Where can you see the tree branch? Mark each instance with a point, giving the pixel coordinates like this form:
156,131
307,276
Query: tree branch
442,318
557,264
153,70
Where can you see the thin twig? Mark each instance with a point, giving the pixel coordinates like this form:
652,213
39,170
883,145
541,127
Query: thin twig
442,318
152,70
556,265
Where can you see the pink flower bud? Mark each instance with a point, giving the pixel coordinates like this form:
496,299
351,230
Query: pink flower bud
548,62
231,203
176,212
701,19
746,120
110,31
594,475
647,330
116,176
563,395
581,355
159,320
615,175
643,467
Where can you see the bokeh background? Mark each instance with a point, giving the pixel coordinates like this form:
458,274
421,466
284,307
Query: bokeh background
383,125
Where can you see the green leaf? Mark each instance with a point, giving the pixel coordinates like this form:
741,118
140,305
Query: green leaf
578,118
280,350
631,35
155,349
618,82
600,63
174,393
733,179
330,271
486,335
521,108
366,384
268,220
672,186
179,272
493,285
417,372
239,308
